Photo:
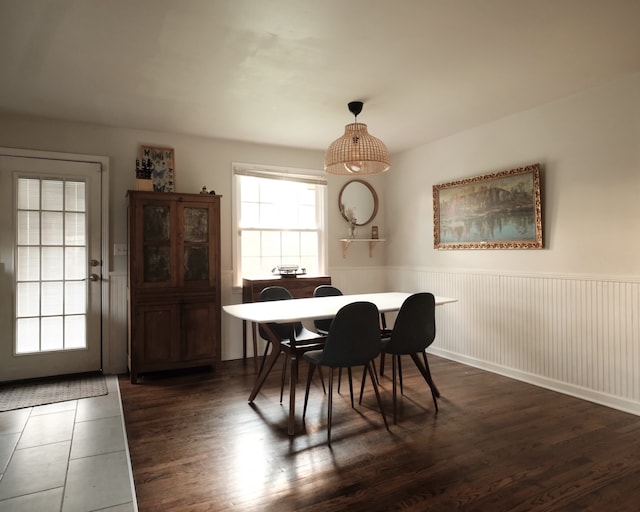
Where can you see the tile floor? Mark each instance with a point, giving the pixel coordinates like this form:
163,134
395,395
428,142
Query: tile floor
66,457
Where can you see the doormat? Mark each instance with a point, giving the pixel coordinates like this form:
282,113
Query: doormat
42,392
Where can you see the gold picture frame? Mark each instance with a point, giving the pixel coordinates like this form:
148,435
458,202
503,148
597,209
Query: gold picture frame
501,210
159,164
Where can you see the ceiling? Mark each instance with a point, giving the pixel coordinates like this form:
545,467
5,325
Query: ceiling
282,71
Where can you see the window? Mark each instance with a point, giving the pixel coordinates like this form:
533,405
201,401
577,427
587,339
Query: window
279,219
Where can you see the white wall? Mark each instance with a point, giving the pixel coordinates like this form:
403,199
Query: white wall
566,316
199,161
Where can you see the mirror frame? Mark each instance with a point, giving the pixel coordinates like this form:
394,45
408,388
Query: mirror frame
374,196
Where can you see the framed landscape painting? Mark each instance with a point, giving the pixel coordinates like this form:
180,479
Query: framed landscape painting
501,210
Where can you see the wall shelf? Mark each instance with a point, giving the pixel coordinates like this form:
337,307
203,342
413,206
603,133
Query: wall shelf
346,242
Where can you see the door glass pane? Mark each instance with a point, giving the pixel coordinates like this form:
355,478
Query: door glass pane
28,229
75,263
52,333
28,263
52,263
74,196
155,223
156,264
52,298
75,331
74,224
52,197
52,228
27,335
196,262
28,194
75,297
28,299
196,224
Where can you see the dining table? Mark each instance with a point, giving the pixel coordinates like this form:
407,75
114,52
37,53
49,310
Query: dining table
300,310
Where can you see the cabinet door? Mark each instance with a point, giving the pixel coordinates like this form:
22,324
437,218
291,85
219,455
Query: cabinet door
197,247
198,331
157,335
153,257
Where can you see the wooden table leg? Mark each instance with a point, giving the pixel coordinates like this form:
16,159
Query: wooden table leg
244,340
272,357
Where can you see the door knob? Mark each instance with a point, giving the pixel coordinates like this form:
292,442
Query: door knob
94,277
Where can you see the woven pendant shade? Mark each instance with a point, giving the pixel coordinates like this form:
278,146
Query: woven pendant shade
356,152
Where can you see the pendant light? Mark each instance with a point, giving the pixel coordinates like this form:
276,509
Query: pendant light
356,152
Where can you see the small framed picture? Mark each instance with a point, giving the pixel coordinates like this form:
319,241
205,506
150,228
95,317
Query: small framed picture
374,232
159,164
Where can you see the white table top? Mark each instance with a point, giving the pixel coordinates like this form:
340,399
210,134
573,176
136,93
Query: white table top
293,310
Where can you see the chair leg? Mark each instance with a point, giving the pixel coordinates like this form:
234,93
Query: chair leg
394,369
350,385
330,406
375,388
264,356
324,390
426,373
382,354
312,367
364,377
400,375
426,365
284,375
375,373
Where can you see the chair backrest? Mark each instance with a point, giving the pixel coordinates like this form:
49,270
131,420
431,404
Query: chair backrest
325,290
354,336
283,331
415,326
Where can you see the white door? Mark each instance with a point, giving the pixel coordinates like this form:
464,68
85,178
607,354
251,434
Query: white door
50,267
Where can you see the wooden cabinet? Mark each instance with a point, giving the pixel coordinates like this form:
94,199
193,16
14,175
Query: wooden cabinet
174,281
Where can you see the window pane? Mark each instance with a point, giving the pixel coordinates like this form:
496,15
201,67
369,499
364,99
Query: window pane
251,245
52,333
75,332
75,266
28,194
74,196
52,198
250,215
52,263
309,244
28,264
52,298
27,299
74,228
28,228
290,246
253,267
27,335
75,297
270,243
51,228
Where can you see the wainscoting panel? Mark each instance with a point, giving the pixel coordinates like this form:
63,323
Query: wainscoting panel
118,330
580,336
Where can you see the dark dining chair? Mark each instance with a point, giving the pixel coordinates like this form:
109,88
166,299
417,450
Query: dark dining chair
322,327
413,332
303,339
353,340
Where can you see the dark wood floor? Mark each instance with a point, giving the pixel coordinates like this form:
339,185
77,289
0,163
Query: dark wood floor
496,445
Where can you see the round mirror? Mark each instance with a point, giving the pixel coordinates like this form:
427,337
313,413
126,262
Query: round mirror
358,199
